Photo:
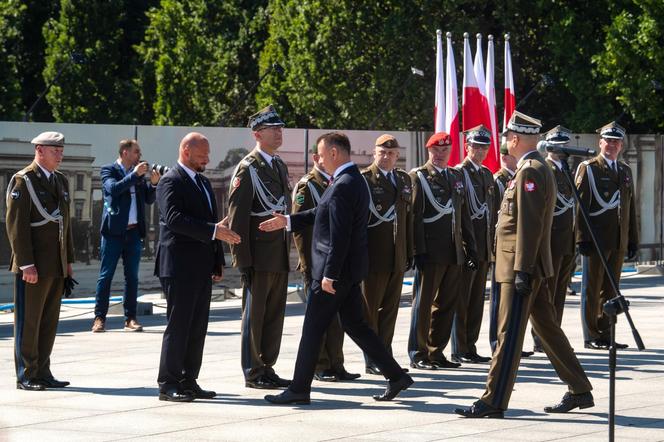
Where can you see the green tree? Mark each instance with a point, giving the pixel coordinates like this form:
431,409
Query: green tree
10,89
632,62
199,57
102,89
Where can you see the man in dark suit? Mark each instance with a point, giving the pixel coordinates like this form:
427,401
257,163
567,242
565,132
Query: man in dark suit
339,263
189,259
128,186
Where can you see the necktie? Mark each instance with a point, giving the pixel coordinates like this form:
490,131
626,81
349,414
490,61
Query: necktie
199,183
614,167
274,166
390,178
51,180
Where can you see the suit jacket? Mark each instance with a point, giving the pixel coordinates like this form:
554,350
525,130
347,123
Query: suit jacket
390,244
339,248
186,225
562,229
523,232
116,188
39,245
482,181
303,200
614,231
437,240
262,251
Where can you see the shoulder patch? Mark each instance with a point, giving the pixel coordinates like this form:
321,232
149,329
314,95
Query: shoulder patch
299,199
529,186
236,182
16,194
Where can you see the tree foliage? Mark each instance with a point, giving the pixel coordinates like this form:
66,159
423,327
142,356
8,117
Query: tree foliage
10,88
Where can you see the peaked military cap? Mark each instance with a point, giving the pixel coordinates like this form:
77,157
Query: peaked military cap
523,124
387,141
612,130
265,117
558,135
439,139
478,135
49,139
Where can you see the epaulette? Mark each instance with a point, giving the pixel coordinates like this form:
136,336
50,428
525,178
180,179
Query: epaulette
417,169
366,171
398,170
456,171
591,161
247,161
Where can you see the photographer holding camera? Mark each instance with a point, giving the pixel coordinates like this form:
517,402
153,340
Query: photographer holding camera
128,185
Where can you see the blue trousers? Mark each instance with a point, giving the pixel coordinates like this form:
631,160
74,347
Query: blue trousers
127,246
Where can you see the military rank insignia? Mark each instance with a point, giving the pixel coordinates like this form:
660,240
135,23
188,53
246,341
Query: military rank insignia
16,194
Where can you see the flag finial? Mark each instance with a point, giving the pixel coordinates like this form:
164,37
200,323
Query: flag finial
490,37
439,32
479,36
448,35
507,37
465,35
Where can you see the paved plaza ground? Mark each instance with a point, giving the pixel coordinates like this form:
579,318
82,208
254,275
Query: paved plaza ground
113,395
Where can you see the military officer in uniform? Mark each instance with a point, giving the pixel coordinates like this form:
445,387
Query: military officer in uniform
307,194
443,243
390,237
501,181
523,260
479,187
562,230
259,187
606,188
42,251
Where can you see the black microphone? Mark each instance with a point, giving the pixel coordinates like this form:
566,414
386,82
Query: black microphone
562,149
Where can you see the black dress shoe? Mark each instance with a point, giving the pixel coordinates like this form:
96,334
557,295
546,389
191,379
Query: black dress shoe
571,401
30,385
395,387
480,409
197,392
620,346
444,363
477,359
343,375
276,380
422,365
326,376
174,394
457,358
596,344
53,383
262,383
527,354
372,369
538,349
288,398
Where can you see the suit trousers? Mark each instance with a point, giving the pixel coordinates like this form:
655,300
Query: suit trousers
596,290
263,309
556,286
36,315
382,295
321,309
331,351
188,311
435,296
470,307
514,312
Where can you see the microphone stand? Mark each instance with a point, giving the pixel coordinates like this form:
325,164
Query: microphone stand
612,307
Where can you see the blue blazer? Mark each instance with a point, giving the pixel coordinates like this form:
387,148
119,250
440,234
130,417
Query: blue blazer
339,248
116,187
186,224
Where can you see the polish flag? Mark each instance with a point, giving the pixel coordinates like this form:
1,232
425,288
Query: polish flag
471,108
478,69
452,104
439,110
510,99
493,159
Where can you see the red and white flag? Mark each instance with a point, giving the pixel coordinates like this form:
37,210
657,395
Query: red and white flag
493,159
439,109
452,104
510,99
472,109
478,69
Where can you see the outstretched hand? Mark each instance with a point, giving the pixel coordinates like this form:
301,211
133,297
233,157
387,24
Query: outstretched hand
277,223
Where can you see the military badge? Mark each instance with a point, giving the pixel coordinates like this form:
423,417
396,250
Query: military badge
66,196
407,189
236,182
511,185
16,194
379,207
458,186
529,186
299,199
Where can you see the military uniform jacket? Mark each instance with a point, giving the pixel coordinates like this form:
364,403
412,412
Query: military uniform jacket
390,242
501,180
444,239
308,192
480,206
523,231
562,235
256,191
40,245
610,203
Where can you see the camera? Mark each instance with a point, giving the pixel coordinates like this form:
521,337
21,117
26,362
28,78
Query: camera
160,168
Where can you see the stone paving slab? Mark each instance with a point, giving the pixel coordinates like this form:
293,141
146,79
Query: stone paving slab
113,395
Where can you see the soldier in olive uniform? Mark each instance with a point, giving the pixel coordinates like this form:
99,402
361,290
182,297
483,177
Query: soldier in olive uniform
562,230
390,239
606,187
523,260
39,233
478,183
260,187
307,194
443,243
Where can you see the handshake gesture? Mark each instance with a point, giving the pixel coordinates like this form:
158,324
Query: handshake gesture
224,233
